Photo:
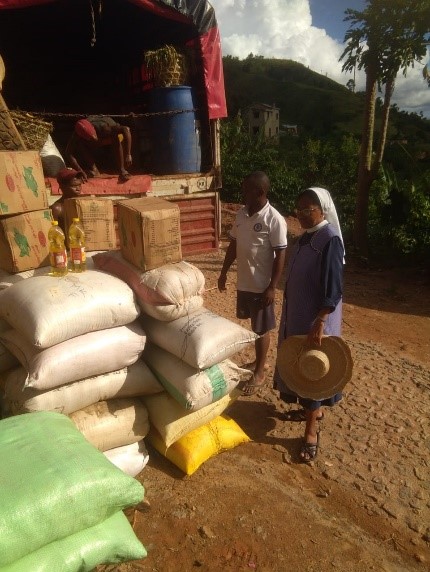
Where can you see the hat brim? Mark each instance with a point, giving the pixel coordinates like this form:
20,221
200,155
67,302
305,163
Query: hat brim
340,372
68,174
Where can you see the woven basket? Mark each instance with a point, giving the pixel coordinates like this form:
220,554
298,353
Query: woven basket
32,129
166,67
10,137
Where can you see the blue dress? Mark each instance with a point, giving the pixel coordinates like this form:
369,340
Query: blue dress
313,281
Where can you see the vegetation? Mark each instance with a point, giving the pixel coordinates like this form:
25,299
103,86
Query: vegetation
326,152
388,36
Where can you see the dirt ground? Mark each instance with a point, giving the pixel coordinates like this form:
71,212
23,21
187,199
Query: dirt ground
364,504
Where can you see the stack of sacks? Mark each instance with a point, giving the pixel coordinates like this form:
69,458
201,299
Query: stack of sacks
188,439
62,500
189,356
78,341
8,360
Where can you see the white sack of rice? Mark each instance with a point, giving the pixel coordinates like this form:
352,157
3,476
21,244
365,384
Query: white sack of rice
201,339
84,356
113,423
165,293
48,310
131,459
193,388
132,381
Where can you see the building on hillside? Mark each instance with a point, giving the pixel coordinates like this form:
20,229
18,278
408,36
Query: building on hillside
290,129
263,119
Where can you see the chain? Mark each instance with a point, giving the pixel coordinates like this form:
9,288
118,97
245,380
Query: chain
83,116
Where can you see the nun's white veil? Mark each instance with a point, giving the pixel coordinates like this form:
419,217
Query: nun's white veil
328,208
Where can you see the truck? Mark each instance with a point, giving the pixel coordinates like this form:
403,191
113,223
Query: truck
68,59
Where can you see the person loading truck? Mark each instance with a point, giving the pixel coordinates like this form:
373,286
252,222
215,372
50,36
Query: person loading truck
89,136
70,182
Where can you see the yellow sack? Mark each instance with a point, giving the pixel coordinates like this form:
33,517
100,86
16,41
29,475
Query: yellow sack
199,445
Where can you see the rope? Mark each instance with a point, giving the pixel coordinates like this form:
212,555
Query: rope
93,23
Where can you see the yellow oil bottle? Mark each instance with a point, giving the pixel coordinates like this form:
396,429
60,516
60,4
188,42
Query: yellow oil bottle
78,260
57,250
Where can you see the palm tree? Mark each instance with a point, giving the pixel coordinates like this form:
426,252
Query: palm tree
386,37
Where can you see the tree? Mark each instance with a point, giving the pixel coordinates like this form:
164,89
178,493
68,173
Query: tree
426,72
386,37
350,84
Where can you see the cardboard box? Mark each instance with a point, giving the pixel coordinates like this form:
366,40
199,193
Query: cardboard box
24,241
149,232
98,220
22,184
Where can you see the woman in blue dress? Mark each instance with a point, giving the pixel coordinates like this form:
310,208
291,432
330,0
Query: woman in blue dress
313,298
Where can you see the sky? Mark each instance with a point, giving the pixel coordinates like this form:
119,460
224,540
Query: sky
310,32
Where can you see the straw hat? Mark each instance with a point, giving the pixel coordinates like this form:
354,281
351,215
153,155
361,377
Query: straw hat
317,372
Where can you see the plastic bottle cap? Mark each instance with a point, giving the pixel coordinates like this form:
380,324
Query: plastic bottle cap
54,222
75,219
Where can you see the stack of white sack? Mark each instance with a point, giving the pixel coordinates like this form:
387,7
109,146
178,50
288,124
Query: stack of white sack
8,360
169,294
79,344
62,502
189,353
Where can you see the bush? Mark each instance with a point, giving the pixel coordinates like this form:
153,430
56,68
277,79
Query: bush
399,206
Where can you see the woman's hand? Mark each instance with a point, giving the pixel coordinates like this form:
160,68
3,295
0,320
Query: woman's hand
316,332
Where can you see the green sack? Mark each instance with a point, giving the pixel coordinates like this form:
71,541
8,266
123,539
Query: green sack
110,541
53,483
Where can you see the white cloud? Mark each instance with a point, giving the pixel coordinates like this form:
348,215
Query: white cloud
283,29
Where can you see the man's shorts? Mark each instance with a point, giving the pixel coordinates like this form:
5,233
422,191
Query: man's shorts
250,305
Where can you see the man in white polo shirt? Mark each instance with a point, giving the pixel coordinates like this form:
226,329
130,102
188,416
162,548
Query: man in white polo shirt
258,239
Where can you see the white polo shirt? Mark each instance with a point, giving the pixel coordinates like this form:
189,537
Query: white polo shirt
257,237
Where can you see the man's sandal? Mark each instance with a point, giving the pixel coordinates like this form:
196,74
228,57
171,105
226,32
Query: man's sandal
309,451
299,415
250,387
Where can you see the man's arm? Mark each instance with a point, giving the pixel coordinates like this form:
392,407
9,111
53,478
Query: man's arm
70,157
126,133
230,257
277,268
57,210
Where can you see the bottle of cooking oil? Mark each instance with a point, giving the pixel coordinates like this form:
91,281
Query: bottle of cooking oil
57,250
77,247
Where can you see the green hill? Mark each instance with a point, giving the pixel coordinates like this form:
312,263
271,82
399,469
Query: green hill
319,106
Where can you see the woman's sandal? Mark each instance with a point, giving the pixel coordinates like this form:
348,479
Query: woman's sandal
299,415
309,451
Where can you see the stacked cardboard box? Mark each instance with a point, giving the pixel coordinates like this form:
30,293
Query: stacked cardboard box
25,218
97,215
149,231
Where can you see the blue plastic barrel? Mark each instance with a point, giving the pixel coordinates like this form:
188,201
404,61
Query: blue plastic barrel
176,146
